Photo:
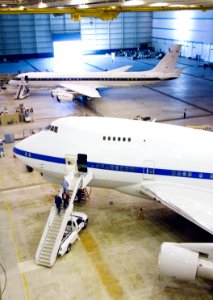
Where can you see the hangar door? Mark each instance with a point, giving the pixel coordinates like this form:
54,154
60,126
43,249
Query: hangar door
67,50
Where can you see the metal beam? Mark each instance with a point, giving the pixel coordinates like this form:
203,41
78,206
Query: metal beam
103,13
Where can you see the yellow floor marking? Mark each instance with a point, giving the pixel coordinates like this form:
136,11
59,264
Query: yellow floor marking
108,279
17,247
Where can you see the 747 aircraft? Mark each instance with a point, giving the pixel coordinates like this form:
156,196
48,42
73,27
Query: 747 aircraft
66,87
169,164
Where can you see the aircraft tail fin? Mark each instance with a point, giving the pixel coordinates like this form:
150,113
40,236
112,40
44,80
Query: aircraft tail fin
168,62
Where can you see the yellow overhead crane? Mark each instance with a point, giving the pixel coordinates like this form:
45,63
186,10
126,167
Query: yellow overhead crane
103,13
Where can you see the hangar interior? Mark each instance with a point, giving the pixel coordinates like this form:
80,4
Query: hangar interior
117,254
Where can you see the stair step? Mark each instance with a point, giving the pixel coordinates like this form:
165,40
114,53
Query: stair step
46,251
49,243
44,258
44,262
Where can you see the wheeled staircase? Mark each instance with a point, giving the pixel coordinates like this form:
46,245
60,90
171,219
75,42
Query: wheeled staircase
56,224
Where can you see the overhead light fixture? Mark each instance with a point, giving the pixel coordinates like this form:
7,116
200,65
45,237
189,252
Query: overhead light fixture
83,6
159,4
4,5
21,7
133,3
177,5
42,5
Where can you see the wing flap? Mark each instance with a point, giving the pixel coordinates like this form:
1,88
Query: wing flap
90,91
195,204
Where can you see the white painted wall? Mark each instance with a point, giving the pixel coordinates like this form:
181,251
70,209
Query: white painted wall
193,29
129,30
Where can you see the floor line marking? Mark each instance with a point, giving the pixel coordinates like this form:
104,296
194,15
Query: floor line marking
17,247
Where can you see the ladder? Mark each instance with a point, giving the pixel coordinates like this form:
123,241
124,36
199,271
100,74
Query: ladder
56,224
22,92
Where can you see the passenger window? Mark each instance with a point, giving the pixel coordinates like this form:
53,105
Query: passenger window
124,139
104,138
109,138
114,138
129,139
119,139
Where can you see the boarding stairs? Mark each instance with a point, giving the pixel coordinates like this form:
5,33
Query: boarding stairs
56,224
22,92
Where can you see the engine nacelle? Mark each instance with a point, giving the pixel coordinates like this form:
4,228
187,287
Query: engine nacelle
63,96
185,261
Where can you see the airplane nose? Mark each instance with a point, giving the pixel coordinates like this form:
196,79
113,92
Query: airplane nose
19,149
22,150
12,82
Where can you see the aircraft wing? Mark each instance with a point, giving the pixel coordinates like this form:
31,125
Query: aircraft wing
195,204
90,91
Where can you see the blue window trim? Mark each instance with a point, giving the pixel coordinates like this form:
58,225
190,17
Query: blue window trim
94,79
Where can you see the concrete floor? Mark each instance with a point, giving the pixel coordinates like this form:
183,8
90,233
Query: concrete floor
117,255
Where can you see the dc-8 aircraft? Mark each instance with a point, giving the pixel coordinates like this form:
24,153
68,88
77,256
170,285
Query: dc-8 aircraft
165,163
66,87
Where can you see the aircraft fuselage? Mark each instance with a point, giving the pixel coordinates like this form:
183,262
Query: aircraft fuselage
123,153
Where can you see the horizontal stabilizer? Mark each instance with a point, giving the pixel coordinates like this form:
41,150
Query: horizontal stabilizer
179,71
121,69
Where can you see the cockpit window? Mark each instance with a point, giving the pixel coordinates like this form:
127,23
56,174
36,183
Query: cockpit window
51,128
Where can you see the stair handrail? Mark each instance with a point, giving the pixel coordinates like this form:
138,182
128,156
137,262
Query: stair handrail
66,216
45,232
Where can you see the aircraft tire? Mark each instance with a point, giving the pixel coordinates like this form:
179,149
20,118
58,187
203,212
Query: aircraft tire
85,224
69,248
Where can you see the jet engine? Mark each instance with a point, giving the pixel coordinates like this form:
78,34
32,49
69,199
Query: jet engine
186,261
63,96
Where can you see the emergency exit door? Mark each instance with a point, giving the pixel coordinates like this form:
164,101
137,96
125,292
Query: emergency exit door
148,170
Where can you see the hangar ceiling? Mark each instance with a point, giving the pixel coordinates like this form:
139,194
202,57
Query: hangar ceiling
105,10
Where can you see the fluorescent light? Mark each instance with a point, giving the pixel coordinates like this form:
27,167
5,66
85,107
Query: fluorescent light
133,3
4,5
83,6
42,5
159,4
177,5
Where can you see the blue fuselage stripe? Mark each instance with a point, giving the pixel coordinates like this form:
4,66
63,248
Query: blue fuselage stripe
95,79
120,168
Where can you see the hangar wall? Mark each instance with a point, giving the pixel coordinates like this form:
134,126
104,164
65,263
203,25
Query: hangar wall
193,29
33,34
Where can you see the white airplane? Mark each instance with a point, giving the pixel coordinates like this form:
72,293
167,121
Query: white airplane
166,163
68,86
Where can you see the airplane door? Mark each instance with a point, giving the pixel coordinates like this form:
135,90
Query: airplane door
148,170
71,162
